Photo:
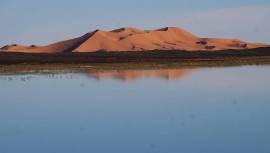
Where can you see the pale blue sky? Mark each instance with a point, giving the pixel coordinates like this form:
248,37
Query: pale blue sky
42,22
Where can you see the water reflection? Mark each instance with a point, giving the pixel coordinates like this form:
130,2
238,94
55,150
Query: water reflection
132,75
38,75
200,110
124,75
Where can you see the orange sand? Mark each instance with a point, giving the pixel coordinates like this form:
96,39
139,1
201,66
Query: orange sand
131,39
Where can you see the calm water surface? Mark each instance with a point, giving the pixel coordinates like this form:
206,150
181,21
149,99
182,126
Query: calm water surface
199,110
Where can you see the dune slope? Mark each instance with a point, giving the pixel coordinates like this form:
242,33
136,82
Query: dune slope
131,39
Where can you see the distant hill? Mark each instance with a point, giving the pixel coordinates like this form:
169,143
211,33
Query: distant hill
131,39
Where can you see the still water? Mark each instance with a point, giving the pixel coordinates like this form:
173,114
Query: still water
198,110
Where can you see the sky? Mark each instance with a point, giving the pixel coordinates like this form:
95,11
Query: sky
42,22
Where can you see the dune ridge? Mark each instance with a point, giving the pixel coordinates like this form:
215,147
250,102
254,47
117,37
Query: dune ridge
132,39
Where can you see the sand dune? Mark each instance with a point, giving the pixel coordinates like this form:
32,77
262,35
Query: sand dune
131,75
131,39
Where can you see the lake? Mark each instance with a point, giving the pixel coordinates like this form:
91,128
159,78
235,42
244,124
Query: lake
189,110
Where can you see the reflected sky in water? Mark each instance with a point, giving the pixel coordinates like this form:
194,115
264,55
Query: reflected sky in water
183,110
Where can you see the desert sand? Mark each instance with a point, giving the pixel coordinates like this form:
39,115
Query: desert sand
131,39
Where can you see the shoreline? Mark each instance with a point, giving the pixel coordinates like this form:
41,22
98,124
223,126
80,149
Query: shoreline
142,59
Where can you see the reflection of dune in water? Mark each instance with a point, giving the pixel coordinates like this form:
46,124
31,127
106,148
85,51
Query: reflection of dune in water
131,75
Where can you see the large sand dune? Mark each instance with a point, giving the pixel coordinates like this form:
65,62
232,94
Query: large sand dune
131,39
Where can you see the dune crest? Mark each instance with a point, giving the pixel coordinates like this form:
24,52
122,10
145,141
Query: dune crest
132,39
